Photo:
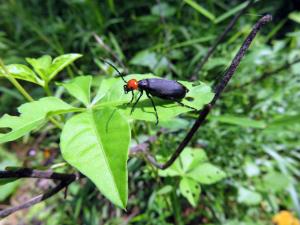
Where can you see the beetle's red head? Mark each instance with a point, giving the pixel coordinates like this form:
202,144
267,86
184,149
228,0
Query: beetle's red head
131,85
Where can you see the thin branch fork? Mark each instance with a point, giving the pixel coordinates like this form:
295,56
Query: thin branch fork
218,91
65,180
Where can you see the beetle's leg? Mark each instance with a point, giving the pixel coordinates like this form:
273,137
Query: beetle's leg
132,109
131,98
156,115
184,105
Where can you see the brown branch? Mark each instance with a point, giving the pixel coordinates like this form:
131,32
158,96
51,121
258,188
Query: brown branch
218,91
222,36
65,180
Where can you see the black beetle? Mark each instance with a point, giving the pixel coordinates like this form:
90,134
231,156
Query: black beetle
161,88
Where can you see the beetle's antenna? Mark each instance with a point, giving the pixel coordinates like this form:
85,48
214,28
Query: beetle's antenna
113,66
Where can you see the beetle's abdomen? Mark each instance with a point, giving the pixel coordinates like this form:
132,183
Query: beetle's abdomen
165,89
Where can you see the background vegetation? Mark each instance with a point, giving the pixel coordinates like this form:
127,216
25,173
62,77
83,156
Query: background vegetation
252,134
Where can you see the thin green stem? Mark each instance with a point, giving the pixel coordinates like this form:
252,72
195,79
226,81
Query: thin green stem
22,90
176,207
15,82
47,90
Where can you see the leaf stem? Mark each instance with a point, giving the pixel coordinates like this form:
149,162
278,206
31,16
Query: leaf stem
15,82
23,91
47,90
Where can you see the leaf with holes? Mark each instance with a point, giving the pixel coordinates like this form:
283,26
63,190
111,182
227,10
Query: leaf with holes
33,115
206,173
97,143
193,168
188,160
190,189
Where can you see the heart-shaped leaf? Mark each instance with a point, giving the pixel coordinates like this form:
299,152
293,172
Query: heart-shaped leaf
79,88
97,143
33,115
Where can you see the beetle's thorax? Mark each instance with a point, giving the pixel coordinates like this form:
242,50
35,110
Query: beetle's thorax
143,84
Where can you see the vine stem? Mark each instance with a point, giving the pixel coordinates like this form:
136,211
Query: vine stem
23,91
65,181
218,91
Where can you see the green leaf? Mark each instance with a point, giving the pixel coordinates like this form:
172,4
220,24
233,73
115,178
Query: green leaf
198,96
248,197
190,189
175,124
188,160
201,10
175,170
41,65
240,121
163,9
32,116
295,16
97,143
80,88
192,157
275,182
21,72
231,12
165,190
206,173
48,69
284,121
145,58
60,62
104,86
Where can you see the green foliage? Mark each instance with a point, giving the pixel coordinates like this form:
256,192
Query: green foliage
193,170
45,69
252,132
102,125
21,72
32,116
96,143
80,88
